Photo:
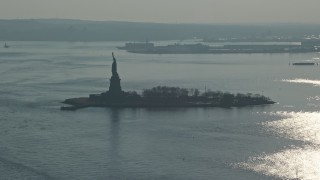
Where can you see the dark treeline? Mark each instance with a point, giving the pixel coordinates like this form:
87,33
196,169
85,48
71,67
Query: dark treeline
177,95
163,96
78,30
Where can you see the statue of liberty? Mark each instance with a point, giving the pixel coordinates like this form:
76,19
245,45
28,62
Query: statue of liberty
115,87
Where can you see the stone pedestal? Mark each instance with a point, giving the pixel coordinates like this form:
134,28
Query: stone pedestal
115,87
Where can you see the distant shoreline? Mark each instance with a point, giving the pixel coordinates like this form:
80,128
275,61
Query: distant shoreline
199,48
70,30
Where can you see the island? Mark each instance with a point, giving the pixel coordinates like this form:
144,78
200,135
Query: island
162,96
150,48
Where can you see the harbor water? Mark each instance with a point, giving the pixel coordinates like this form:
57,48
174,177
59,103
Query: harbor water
38,141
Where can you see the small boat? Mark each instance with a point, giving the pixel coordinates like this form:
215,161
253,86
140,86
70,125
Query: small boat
304,64
6,45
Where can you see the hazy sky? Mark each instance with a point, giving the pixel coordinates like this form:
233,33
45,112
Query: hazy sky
173,11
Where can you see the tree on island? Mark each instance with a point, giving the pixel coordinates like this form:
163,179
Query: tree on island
165,94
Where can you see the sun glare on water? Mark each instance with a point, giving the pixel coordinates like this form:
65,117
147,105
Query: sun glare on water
303,126
294,163
291,162
303,81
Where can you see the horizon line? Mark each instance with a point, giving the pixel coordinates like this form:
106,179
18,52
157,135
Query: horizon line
171,23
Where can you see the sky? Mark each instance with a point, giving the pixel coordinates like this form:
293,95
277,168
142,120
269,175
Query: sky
166,11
